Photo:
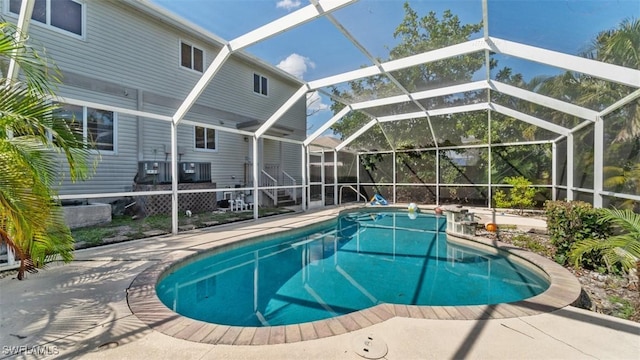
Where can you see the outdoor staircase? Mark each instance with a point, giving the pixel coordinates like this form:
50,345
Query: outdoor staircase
285,199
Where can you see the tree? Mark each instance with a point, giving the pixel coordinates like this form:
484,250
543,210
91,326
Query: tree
417,35
617,46
622,128
33,141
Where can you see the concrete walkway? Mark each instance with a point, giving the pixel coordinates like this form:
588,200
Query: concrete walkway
80,310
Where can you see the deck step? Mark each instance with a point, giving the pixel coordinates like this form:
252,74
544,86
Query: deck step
286,203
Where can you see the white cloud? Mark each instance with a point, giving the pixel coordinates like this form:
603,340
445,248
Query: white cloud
288,4
296,65
314,103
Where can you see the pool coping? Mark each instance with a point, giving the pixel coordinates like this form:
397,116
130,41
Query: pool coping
144,303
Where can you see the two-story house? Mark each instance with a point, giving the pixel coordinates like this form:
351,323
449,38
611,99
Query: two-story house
127,54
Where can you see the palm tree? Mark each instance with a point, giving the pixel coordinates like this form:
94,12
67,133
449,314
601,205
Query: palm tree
623,248
33,142
617,46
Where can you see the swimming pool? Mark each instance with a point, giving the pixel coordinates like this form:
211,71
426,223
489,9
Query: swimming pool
357,261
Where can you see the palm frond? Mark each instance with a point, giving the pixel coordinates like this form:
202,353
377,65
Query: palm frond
613,181
40,73
622,248
33,145
626,219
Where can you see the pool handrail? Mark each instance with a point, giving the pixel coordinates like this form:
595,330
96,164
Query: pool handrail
354,189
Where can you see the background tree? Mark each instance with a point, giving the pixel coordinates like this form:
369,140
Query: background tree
461,166
32,144
618,46
417,35
622,128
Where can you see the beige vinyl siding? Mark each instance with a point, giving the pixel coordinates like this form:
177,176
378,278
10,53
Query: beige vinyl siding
122,47
156,135
126,53
290,154
232,90
115,171
293,161
127,47
270,152
227,161
296,118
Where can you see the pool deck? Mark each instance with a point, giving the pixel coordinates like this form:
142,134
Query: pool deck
84,310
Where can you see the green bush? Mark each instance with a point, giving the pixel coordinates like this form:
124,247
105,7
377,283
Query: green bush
619,251
521,195
574,221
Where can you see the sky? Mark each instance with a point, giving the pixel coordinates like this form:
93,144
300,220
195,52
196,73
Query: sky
317,49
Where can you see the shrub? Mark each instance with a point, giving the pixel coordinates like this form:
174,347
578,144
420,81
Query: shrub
619,250
571,222
520,196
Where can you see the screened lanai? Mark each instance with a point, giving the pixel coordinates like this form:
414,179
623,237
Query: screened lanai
446,120
442,108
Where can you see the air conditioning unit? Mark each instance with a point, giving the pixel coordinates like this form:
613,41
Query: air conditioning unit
153,172
194,171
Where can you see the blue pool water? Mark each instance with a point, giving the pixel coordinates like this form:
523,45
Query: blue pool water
354,262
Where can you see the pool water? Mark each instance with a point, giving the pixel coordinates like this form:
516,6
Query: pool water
357,261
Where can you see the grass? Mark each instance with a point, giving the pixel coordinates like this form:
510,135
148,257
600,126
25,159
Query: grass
624,307
93,236
123,228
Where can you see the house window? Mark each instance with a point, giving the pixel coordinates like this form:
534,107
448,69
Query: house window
95,127
205,138
260,84
61,14
191,57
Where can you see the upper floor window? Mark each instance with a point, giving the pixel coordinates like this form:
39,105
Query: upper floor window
191,57
61,14
260,84
95,127
205,138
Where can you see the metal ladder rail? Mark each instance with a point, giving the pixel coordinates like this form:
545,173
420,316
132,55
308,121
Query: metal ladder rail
352,188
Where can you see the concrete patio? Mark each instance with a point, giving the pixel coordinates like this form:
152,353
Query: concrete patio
80,310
